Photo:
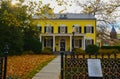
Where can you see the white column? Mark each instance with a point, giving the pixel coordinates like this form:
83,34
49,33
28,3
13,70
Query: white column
40,38
83,43
43,44
70,43
53,43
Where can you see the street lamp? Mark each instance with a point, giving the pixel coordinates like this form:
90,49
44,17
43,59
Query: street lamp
73,32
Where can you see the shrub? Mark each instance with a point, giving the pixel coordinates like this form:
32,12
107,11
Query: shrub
91,49
78,51
47,51
111,47
108,51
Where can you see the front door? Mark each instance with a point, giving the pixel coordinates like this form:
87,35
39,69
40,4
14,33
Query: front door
62,45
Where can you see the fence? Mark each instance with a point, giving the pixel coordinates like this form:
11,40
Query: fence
75,67
3,63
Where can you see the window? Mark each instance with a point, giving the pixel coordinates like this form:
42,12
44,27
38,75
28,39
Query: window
77,28
77,43
89,41
48,29
48,43
89,29
62,29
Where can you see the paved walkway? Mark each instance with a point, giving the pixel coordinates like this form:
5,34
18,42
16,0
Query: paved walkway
51,71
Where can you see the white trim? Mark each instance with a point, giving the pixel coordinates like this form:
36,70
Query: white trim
70,43
53,43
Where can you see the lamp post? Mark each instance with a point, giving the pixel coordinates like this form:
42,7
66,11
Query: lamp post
73,32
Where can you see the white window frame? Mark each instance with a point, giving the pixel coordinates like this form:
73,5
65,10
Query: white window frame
62,28
76,41
88,29
48,29
48,43
88,40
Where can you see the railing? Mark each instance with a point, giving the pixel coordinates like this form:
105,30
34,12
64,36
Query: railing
75,66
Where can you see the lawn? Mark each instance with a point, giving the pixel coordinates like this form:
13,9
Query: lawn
25,66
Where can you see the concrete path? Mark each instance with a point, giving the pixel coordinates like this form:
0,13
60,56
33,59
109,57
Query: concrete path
51,71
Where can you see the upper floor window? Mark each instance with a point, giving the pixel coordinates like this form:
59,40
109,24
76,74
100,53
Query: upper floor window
89,29
77,29
62,29
48,29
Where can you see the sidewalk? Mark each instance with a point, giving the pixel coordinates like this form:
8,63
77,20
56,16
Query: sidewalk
51,71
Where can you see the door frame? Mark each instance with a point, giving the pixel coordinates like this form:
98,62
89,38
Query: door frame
60,43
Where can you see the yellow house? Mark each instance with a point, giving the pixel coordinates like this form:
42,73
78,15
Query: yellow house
67,31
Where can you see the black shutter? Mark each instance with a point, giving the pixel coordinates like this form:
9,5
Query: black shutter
51,42
52,29
85,29
80,43
40,28
92,41
59,29
45,29
44,42
79,29
66,29
92,29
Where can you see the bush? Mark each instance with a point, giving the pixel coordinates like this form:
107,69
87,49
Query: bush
33,44
111,47
78,51
108,51
47,51
92,49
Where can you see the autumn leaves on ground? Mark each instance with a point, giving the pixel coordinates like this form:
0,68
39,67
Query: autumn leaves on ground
21,67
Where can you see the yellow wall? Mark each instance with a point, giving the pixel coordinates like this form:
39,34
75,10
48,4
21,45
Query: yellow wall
69,23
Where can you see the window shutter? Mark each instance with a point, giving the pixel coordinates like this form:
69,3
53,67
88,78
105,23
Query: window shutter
45,29
66,29
92,41
80,43
52,29
51,42
79,29
85,29
92,29
44,42
59,29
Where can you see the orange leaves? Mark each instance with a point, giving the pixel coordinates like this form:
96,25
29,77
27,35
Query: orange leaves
21,65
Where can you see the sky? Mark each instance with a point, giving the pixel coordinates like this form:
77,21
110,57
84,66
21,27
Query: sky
68,9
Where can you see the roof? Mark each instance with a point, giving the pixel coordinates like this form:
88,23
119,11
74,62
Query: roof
73,16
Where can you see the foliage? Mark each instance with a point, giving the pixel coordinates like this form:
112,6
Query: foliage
108,51
31,40
47,51
22,66
111,47
78,51
92,49
13,37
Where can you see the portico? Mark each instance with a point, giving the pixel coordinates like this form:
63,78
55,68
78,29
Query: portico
62,42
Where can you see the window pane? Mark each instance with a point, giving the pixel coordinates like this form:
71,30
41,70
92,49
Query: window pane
62,29
76,43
